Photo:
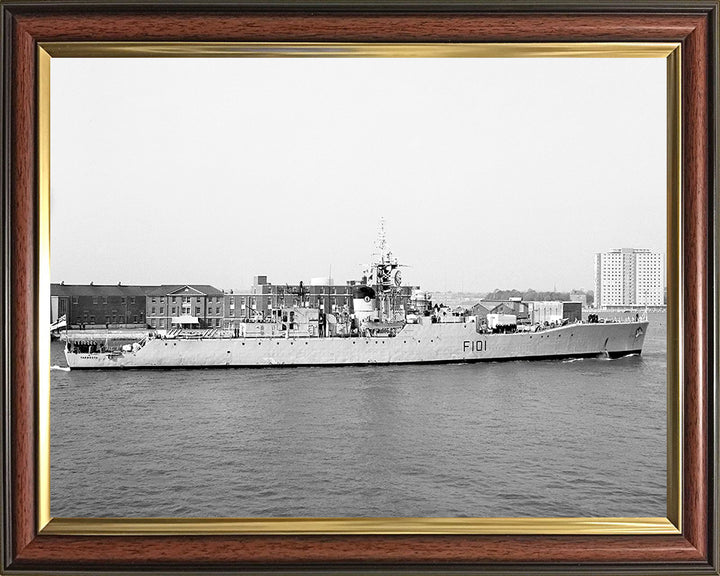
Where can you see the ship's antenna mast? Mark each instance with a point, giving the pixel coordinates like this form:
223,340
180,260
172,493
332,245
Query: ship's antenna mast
383,272
382,239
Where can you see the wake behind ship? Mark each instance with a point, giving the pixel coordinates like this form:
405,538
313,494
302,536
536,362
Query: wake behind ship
376,331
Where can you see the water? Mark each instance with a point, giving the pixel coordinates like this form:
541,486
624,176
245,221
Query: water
549,438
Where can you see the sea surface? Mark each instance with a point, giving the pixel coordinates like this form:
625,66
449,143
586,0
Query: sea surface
545,438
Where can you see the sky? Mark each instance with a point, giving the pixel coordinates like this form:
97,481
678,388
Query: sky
489,173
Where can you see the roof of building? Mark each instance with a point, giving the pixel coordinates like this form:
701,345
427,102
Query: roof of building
182,289
99,290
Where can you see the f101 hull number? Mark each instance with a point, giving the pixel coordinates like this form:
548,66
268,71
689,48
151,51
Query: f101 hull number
475,346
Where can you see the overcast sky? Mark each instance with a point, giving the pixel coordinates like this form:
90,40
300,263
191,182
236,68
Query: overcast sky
490,173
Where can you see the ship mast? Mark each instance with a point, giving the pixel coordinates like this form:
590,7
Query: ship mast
384,274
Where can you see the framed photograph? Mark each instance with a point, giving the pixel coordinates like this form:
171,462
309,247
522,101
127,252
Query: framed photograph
351,287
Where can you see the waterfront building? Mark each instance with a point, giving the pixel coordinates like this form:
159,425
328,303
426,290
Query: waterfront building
481,310
554,311
185,305
534,312
92,305
629,277
514,306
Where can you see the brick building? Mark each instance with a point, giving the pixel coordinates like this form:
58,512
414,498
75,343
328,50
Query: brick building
189,305
97,305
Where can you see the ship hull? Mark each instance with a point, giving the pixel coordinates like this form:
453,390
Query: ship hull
414,344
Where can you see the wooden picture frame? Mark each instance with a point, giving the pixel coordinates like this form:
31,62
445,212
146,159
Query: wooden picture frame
29,546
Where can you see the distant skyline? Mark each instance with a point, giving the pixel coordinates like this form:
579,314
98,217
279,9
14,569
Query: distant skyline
490,173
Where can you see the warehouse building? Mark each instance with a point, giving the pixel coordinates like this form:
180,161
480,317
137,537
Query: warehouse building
99,305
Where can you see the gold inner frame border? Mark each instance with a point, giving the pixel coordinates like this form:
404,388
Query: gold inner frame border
671,524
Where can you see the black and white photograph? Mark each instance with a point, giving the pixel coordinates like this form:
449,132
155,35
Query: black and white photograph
350,287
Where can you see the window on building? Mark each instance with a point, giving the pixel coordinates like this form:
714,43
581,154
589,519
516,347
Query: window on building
123,300
104,299
174,309
152,310
95,299
153,300
132,300
152,322
162,309
217,310
74,299
92,319
162,322
197,310
107,319
135,319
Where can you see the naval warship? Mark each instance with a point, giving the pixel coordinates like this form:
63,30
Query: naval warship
376,331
